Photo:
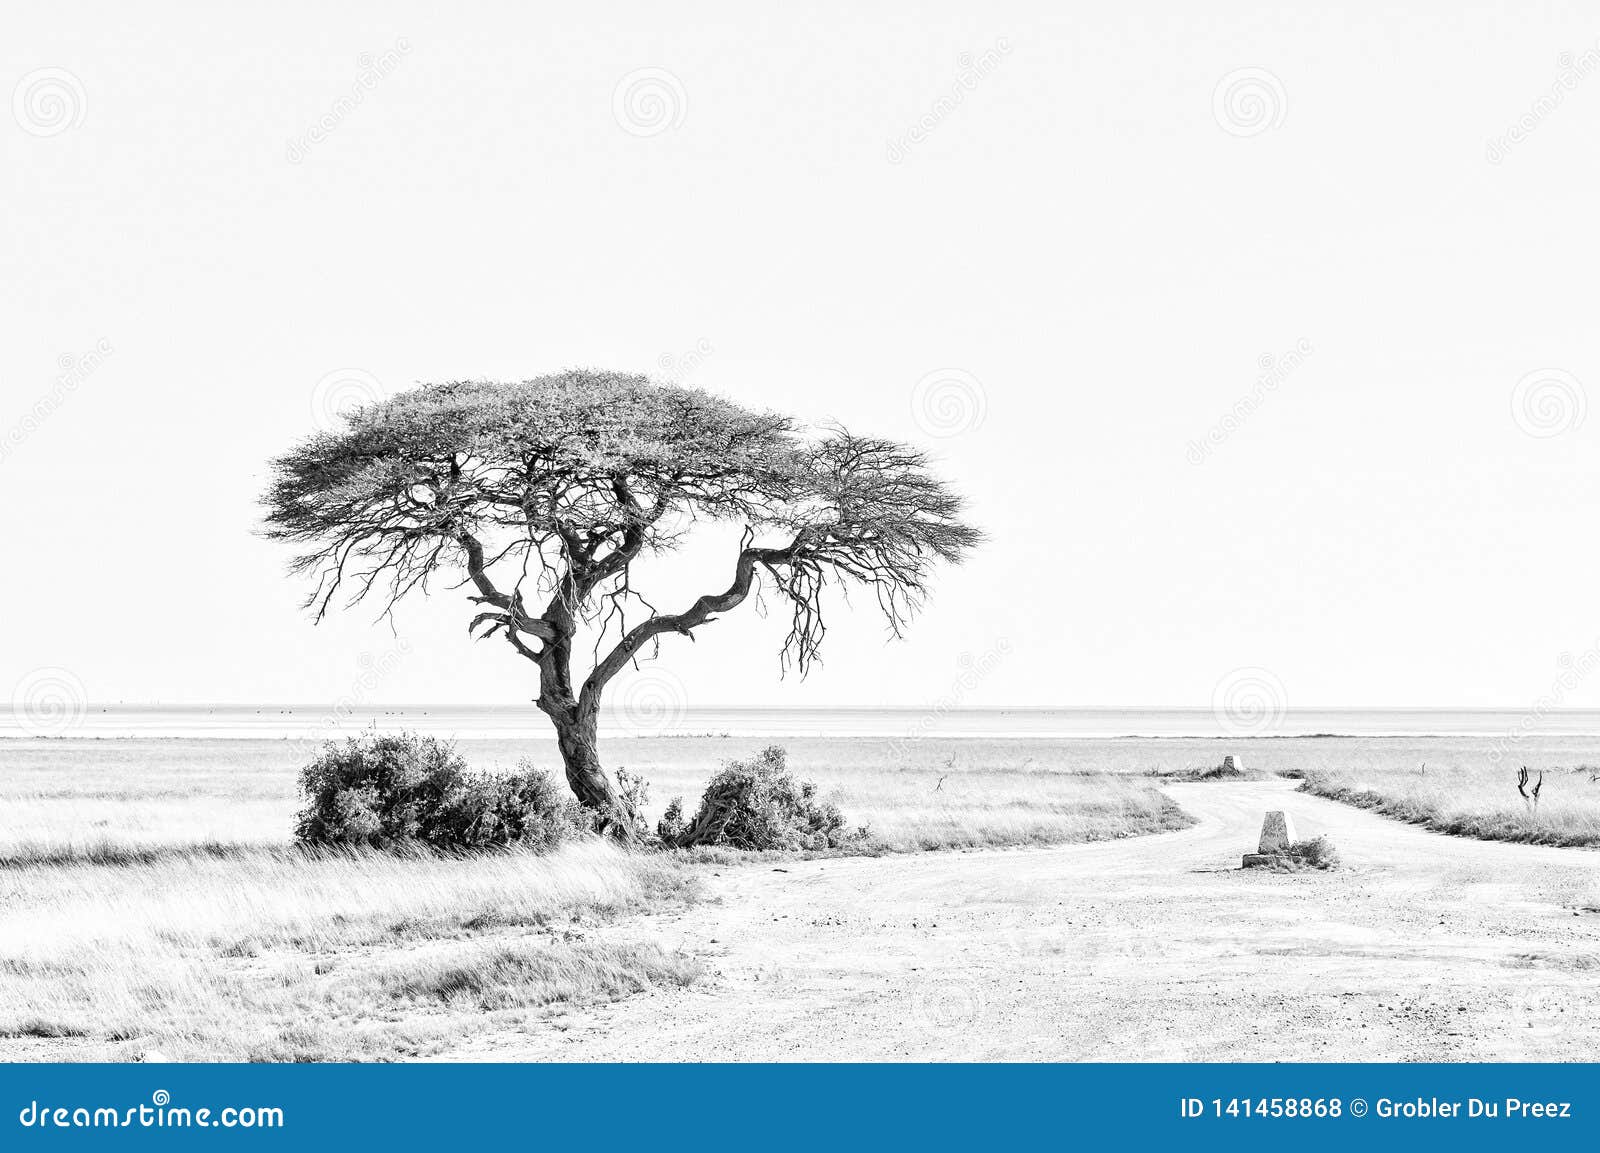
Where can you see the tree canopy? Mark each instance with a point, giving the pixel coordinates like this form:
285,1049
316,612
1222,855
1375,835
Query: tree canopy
540,495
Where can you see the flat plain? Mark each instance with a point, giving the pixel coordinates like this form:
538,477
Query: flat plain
1033,899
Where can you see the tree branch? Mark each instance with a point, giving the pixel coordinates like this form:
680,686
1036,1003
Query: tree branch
697,614
513,615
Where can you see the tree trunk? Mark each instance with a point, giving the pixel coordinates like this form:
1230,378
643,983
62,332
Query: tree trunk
590,784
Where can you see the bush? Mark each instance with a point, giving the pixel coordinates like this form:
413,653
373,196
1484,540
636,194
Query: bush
387,790
634,793
757,804
671,826
1317,853
1217,772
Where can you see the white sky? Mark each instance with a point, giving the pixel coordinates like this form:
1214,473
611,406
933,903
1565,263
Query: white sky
1080,235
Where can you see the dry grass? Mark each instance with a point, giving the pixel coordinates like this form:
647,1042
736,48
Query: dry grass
150,897
995,810
1318,853
282,955
132,801
978,794
1473,801
1216,772
1013,809
123,801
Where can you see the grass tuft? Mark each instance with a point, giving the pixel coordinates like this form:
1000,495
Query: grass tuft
39,1027
1483,804
1317,853
229,959
528,974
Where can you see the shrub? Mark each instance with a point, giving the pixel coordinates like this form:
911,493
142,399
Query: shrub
1217,772
525,808
386,790
757,804
672,825
634,793
1317,853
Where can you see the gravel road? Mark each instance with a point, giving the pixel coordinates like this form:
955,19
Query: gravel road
1423,947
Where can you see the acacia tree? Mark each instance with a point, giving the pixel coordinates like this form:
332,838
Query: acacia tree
541,495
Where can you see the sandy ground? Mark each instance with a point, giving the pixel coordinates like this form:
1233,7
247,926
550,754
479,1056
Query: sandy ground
1423,947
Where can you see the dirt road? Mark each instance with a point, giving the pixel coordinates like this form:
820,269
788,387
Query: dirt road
1424,947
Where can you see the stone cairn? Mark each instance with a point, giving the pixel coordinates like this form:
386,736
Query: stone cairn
1277,834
